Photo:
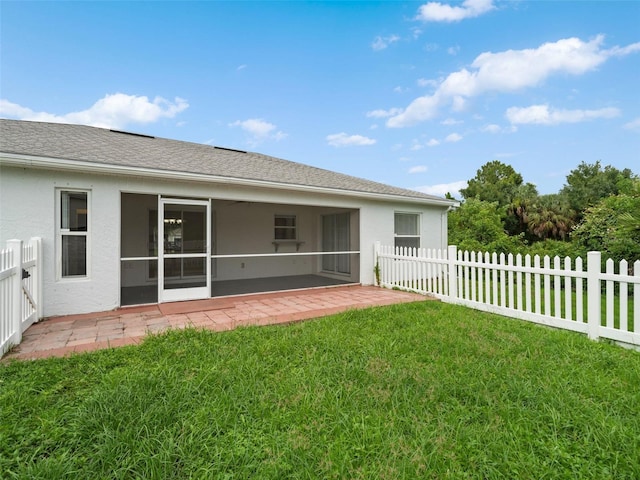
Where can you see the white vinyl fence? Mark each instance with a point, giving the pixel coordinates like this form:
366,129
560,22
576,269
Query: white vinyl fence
555,292
20,290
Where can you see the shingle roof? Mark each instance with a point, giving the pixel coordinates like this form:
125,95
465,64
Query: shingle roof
107,147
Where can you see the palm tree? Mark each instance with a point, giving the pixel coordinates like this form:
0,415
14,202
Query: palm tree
552,218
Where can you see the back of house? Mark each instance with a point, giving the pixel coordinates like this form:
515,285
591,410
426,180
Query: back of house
129,219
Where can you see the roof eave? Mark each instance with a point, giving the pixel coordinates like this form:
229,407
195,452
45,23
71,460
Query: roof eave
50,163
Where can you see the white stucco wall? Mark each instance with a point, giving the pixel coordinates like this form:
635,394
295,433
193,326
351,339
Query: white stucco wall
27,209
378,223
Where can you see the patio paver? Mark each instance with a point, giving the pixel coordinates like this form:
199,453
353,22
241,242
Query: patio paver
63,336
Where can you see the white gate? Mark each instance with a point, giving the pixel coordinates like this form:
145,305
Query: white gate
20,290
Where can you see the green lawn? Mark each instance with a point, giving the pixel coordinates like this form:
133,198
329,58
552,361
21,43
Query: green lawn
423,390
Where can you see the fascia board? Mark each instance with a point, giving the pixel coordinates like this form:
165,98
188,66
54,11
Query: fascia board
49,163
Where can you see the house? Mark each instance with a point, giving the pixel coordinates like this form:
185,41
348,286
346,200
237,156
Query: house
129,219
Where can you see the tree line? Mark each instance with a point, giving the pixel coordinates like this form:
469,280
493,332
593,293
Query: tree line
598,208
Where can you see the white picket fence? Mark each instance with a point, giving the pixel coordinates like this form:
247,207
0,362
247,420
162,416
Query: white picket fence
555,292
20,290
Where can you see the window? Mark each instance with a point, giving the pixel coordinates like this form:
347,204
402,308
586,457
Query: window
73,235
285,227
407,230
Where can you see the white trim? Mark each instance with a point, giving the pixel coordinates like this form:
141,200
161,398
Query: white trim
179,294
185,255
132,259
63,232
241,255
418,229
19,160
248,255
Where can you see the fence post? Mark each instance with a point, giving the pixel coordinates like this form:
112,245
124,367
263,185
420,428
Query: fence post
593,294
38,281
16,289
452,255
376,265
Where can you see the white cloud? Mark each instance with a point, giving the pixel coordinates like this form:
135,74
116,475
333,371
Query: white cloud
424,82
451,121
241,67
458,103
433,143
493,128
380,43
543,115
442,189
399,89
259,130
418,169
421,109
384,113
453,137
633,125
622,51
113,111
509,71
453,50
440,12
344,140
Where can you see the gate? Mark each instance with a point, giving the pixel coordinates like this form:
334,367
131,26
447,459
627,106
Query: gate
20,290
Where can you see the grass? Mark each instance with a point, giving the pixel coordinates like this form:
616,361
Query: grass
423,390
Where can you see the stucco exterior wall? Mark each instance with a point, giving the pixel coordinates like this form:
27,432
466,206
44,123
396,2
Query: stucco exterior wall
28,209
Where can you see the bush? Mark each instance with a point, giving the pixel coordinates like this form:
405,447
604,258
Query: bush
605,227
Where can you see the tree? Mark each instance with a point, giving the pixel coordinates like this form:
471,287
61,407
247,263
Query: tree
500,183
613,227
551,218
477,225
629,222
589,183
497,182
517,213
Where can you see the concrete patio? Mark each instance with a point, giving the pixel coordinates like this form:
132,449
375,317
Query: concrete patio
63,336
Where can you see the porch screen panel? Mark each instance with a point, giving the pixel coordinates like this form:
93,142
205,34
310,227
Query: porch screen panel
139,249
185,235
335,237
184,272
342,242
328,243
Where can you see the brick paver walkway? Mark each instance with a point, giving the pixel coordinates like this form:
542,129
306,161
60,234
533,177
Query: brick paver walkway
61,336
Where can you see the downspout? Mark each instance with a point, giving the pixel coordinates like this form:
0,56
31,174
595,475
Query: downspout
444,232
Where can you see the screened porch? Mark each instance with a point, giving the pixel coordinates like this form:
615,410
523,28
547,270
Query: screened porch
182,248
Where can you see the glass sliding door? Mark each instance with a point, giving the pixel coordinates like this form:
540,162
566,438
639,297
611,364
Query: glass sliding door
184,236
335,238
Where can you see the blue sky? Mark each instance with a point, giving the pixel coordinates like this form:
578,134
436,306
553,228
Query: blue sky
413,94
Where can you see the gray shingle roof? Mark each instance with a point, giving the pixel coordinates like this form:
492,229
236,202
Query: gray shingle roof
108,147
